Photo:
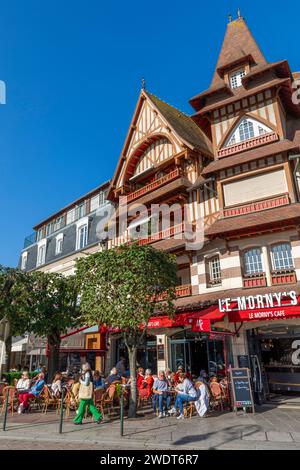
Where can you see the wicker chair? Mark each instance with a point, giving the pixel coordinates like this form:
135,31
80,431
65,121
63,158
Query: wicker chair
108,399
12,399
216,401
98,399
48,399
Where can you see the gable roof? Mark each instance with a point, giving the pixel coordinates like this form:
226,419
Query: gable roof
183,125
180,123
238,43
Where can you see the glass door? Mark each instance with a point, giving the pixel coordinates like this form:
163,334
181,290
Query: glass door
180,354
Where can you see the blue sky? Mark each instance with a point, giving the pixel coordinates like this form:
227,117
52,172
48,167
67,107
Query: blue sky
73,73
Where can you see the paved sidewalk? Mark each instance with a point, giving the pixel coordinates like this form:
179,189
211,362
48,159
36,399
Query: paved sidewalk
267,429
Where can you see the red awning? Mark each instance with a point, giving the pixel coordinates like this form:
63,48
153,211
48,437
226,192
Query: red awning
276,313
209,314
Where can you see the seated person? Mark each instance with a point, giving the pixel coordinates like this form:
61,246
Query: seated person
202,403
145,389
3,379
140,377
34,392
56,385
180,370
23,383
160,394
98,380
120,366
113,377
203,376
186,393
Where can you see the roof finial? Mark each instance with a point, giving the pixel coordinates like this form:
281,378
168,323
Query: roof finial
230,18
143,83
239,13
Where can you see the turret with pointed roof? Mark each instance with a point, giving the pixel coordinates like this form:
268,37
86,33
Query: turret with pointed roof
238,46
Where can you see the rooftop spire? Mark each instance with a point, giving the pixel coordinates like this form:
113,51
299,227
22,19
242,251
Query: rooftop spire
143,83
238,42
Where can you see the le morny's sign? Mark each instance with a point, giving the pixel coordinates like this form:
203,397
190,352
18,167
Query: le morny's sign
270,306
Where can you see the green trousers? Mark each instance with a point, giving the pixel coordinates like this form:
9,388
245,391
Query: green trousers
81,410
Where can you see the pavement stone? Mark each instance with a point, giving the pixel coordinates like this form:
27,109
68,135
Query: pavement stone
258,436
276,436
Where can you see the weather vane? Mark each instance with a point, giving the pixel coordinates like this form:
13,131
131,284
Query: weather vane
143,83
239,12
230,18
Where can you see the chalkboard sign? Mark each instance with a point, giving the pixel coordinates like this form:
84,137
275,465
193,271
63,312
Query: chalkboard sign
241,388
243,361
161,352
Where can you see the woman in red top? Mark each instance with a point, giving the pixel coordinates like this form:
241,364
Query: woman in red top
145,391
140,377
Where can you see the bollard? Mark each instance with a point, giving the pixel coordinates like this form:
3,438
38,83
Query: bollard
6,410
122,413
61,411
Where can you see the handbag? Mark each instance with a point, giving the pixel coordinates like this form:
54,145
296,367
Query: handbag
86,391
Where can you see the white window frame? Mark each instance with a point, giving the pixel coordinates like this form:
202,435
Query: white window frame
59,243
214,270
24,260
282,260
235,78
251,266
41,248
80,225
236,136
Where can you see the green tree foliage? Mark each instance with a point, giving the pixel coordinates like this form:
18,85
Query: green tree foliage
13,297
123,288
51,309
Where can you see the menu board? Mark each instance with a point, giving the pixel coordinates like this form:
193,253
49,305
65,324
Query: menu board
241,389
161,352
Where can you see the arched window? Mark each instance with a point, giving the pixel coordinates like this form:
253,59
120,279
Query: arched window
253,261
281,256
245,130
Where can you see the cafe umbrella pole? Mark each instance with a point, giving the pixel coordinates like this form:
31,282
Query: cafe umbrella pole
6,410
61,411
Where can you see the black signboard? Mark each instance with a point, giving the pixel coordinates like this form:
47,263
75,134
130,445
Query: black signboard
241,388
243,361
161,352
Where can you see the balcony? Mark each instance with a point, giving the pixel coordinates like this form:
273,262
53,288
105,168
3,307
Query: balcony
164,234
184,291
30,240
180,291
284,276
257,206
254,280
248,144
154,185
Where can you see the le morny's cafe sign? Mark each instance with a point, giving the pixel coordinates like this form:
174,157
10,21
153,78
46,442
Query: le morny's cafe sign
268,306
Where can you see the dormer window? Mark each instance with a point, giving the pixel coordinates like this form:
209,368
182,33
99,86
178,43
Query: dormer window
245,130
236,78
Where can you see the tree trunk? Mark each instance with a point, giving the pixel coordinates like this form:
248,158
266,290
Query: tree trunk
53,359
132,350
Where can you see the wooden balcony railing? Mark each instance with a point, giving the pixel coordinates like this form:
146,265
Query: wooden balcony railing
181,291
163,234
285,276
154,185
254,280
184,291
257,206
248,144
